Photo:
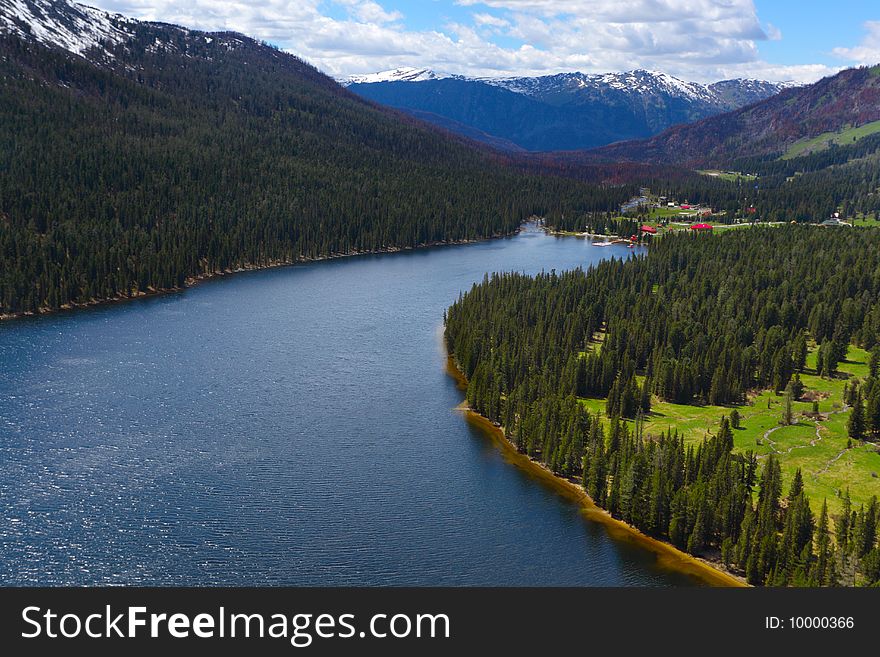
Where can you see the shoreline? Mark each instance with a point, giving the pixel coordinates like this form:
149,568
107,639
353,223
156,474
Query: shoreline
192,281
668,556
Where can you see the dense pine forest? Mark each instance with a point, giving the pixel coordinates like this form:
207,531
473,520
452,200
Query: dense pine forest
700,319
181,154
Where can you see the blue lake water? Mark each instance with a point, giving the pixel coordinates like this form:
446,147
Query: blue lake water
289,426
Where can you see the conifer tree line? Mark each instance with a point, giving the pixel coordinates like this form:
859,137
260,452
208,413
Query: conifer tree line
208,155
699,319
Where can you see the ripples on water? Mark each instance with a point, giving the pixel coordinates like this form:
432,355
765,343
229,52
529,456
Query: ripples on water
290,426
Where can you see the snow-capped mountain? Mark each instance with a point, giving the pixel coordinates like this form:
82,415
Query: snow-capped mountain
112,40
726,93
744,91
639,82
565,111
406,74
71,26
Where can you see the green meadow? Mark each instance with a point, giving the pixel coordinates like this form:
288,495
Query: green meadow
823,141
829,461
730,176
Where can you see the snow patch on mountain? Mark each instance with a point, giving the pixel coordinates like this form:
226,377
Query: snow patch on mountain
637,83
68,25
405,74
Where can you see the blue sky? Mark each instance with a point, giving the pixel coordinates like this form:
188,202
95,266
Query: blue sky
701,40
811,30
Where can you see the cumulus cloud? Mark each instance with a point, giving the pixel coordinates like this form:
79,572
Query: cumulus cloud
867,53
701,40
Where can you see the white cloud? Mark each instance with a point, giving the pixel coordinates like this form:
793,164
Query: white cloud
701,40
490,20
370,12
868,51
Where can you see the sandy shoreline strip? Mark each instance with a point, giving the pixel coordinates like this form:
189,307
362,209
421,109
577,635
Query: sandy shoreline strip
668,556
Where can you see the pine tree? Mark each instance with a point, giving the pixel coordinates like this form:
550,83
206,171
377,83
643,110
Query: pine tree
822,570
734,418
872,411
787,417
874,362
842,523
645,397
799,352
697,538
796,387
855,425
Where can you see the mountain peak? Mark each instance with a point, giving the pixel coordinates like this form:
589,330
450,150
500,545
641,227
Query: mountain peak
404,74
63,24
827,108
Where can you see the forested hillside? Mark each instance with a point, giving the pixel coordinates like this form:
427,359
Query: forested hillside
699,320
172,154
849,98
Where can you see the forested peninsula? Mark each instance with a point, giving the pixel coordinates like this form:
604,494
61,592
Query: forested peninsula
572,366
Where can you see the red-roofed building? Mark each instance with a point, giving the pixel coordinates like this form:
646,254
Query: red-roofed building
649,229
701,227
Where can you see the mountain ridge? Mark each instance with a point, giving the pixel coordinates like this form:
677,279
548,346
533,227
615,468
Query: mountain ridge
848,98
536,85
566,111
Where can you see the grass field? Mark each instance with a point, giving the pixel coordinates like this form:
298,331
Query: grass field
715,227
667,212
866,221
823,141
731,176
819,448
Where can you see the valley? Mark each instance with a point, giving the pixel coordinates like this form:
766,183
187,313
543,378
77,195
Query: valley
690,390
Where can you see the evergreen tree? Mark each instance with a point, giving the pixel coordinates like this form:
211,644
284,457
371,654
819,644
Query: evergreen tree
874,361
855,425
822,573
787,417
734,418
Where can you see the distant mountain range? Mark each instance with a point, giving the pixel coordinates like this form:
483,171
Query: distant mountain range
847,100
567,111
